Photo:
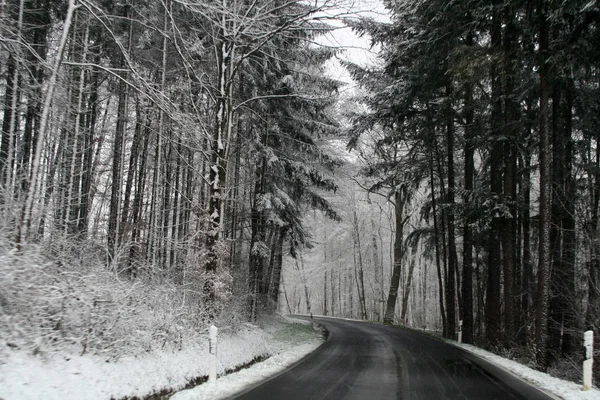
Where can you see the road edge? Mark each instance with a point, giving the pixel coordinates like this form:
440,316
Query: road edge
324,332
490,362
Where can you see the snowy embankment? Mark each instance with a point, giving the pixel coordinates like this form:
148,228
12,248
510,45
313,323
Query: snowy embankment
282,340
559,387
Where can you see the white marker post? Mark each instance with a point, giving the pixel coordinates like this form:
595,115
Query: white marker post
588,346
212,348
460,331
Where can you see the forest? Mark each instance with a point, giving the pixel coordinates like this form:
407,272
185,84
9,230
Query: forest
473,203
168,164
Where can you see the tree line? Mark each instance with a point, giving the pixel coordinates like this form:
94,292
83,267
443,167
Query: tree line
491,110
184,137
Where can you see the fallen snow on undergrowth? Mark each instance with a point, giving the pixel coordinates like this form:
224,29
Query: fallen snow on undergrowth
296,343
24,377
563,389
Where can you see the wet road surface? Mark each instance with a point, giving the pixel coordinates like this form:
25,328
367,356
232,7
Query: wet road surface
369,361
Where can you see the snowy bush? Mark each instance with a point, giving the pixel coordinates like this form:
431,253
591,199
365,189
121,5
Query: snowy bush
60,296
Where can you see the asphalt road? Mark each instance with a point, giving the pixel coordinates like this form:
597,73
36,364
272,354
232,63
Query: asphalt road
371,362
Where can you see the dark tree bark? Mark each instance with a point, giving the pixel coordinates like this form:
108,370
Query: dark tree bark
131,170
467,271
87,173
138,200
9,120
276,279
358,266
117,171
508,230
399,203
562,307
452,256
528,278
218,153
115,208
493,310
545,155
258,247
438,253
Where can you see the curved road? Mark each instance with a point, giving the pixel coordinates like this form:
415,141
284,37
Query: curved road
368,361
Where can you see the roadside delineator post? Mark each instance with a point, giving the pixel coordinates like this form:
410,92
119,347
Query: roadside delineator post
588,346
460,331
212,349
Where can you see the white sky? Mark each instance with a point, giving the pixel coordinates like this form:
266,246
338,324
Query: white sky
356,49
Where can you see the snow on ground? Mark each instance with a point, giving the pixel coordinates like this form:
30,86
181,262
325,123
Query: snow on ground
285,340
229,385
24,376
563,389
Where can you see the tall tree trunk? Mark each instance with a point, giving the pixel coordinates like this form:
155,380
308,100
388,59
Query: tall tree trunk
545,207
452,257
175,221
563,306
493,310
277,280
300,269
135,251
467,271
87,173
9,121
35,61
115,209
378,274
332,286
165,214
12,96
437,243
24,226
528,280
569,343
258,248
399,203
218,152
131,170
76,163
508,229
358,266
406,292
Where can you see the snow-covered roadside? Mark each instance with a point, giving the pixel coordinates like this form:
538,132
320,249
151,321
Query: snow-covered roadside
231,384
563,389
24,376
